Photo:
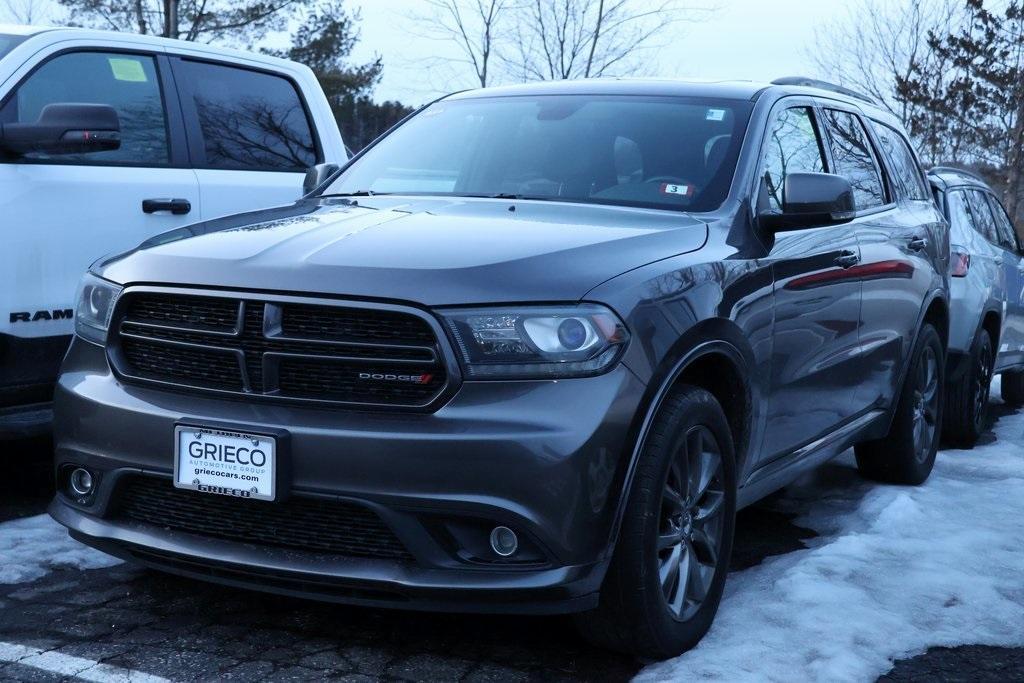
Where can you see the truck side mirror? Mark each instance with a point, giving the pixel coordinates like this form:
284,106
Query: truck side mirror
317,176
812,200
64,128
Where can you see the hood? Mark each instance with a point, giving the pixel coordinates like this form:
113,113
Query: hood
432,251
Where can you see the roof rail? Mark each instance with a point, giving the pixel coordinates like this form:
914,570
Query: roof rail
823,85
954,169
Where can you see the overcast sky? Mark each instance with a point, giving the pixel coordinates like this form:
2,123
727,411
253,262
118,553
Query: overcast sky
743,39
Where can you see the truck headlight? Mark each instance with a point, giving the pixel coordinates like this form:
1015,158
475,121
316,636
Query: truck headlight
93,308
536,342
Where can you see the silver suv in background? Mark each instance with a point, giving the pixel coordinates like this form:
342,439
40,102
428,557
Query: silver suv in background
986,334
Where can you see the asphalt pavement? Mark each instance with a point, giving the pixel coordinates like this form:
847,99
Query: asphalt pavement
126,623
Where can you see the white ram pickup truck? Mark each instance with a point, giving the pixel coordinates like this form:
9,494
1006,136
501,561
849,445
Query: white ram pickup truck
107,139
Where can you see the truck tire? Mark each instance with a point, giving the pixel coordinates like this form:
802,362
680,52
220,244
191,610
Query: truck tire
906,455
966,410
668,570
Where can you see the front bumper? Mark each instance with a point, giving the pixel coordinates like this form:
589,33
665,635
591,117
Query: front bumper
544,458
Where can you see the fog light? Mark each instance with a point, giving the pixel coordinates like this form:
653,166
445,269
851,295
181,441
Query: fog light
504,541
80,481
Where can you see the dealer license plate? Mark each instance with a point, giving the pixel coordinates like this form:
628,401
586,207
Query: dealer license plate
225,462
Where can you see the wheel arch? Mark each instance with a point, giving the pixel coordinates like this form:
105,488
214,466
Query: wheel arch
713,355
992,322
936,312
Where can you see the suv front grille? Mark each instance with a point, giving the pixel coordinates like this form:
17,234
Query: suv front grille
311,524
345,353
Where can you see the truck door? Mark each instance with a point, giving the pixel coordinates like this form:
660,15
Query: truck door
250,135
60,213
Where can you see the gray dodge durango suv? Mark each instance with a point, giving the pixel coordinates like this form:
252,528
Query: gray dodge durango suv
529,352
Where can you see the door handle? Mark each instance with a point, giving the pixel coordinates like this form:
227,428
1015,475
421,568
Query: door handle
918,244
847,259
178,207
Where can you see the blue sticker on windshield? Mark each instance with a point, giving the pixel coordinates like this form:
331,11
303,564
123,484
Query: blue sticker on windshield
715,115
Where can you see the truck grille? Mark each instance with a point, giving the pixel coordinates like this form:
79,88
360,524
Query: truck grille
311,524
346,353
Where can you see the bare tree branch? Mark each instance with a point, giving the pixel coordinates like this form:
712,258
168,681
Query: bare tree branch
878,46
474,26
587,38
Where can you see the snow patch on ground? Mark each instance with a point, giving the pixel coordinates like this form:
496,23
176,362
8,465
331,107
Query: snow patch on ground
896,570
31,546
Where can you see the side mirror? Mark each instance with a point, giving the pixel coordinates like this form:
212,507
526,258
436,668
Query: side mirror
812,200
65,129
317,176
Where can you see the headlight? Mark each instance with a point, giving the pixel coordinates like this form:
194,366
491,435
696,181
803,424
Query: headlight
95,304
536,342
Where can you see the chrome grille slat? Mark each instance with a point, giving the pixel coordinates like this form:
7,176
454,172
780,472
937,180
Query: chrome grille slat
177,328
320,352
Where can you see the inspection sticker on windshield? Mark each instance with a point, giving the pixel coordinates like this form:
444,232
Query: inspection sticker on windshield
714,115
225,463
678,190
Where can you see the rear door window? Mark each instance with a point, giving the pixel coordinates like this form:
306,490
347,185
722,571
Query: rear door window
854,158
960,214
984,221
905,169
127,82
247,120
793,146
1005,228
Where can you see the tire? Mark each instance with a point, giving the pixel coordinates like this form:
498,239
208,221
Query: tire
906,455
966,409
662,535
1013,387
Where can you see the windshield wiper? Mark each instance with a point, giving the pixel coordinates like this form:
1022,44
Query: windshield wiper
510,195
357,193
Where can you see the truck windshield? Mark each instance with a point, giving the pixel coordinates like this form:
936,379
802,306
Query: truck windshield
7,43
656,152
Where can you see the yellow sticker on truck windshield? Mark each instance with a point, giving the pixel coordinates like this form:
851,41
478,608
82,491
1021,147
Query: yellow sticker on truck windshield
127,69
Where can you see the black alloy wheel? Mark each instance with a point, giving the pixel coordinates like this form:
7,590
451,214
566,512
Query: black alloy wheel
690,528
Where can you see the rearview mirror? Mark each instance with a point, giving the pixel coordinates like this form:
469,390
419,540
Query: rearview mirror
317,176
811,200
65,129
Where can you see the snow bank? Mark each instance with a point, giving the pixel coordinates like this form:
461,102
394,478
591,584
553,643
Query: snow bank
895,571
29,547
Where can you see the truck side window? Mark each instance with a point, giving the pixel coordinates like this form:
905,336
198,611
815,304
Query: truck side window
127,82
792,146
248,120
854,158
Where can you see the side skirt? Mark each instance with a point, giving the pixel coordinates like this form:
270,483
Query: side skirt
774,475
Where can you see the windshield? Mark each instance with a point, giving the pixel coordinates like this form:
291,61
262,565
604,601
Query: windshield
7,43
657,152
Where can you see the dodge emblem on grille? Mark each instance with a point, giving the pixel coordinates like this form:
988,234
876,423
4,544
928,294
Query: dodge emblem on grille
389,377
